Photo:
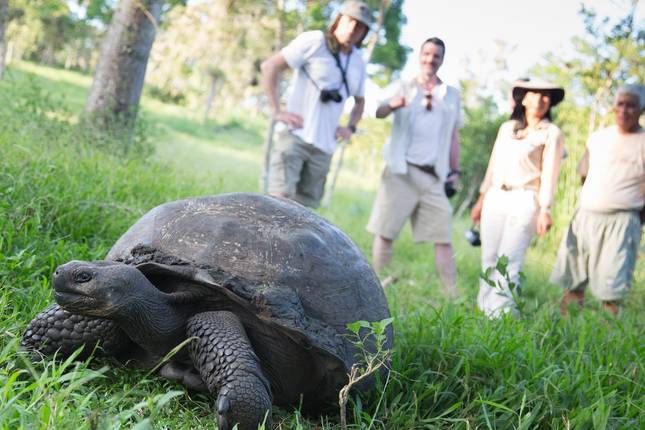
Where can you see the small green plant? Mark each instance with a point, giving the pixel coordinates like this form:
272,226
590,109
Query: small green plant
504,281
370,340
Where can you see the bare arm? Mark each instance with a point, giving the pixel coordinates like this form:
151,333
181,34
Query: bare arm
355,116
583,166
475,213
387,108
272,68
357,111
455,150
551,160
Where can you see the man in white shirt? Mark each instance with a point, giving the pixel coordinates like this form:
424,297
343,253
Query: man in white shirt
329,69
600,247
421,155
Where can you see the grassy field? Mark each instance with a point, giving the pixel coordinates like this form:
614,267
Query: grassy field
65,196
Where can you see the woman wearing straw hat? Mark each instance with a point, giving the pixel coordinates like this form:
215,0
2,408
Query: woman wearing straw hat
517,192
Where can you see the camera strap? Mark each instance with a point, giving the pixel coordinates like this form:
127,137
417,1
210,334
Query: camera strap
343,72
304,69
334,48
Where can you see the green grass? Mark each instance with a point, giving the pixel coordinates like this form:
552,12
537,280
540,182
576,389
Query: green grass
64,196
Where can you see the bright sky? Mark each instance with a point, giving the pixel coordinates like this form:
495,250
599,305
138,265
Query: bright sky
470,28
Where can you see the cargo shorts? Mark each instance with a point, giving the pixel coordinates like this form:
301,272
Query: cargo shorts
599,250
415,195
298,169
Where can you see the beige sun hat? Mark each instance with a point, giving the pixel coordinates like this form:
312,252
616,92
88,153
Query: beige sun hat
521,87
358,10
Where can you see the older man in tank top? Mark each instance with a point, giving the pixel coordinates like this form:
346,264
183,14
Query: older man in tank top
600,247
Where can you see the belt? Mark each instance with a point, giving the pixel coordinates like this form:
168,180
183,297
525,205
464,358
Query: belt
426,168
505,187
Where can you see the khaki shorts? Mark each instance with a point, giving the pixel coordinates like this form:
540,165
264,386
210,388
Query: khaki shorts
599,250
418,196
298,169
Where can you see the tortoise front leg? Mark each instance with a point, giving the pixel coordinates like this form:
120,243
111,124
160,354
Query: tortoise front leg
225,360
55,329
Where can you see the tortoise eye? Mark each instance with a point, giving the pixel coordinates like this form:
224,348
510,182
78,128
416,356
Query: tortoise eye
82,276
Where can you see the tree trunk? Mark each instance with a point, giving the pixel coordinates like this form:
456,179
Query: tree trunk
211,96
118,81
373,40
4,7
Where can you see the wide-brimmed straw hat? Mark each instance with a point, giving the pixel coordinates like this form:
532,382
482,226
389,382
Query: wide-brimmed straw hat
358,10
521,87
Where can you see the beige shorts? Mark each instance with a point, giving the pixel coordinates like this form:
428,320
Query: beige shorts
298,169
599,250
418,196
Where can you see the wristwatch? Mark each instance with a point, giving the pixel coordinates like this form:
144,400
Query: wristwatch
352,128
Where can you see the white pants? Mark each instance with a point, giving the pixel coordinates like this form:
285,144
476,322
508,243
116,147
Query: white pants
508,223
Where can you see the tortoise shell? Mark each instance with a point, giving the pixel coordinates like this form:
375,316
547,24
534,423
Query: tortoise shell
289,271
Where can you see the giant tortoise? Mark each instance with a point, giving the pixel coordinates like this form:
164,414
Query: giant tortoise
263,288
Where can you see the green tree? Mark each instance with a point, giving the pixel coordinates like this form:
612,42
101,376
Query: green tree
220,60
47,31
388,52
4,8
609,54
477,136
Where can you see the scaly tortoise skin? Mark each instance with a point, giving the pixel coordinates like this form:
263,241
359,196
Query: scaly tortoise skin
263,286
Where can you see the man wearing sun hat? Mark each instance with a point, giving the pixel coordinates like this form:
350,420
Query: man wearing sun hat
329,69
517,192
600,247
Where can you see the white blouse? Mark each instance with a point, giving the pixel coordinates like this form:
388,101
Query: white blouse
529,159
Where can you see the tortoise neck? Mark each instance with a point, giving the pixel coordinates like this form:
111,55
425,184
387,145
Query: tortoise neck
155,323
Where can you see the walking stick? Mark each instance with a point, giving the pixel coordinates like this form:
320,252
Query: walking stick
268,145
332,184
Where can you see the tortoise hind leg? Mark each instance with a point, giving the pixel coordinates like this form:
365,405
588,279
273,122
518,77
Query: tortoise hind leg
225,360
55,329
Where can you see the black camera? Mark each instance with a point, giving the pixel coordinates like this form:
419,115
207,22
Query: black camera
330,95
472,236
450,189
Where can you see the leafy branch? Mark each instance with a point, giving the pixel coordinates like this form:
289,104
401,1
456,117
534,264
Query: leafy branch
504,282
370,340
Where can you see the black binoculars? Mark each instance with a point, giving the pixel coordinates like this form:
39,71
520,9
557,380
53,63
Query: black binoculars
330,95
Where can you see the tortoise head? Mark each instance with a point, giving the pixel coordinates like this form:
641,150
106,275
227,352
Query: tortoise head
100,288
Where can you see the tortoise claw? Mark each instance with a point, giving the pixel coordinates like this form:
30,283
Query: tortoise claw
223,407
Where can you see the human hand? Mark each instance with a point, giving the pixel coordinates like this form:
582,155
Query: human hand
544,223
343,133
396,103
293,120
476,212
453,177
